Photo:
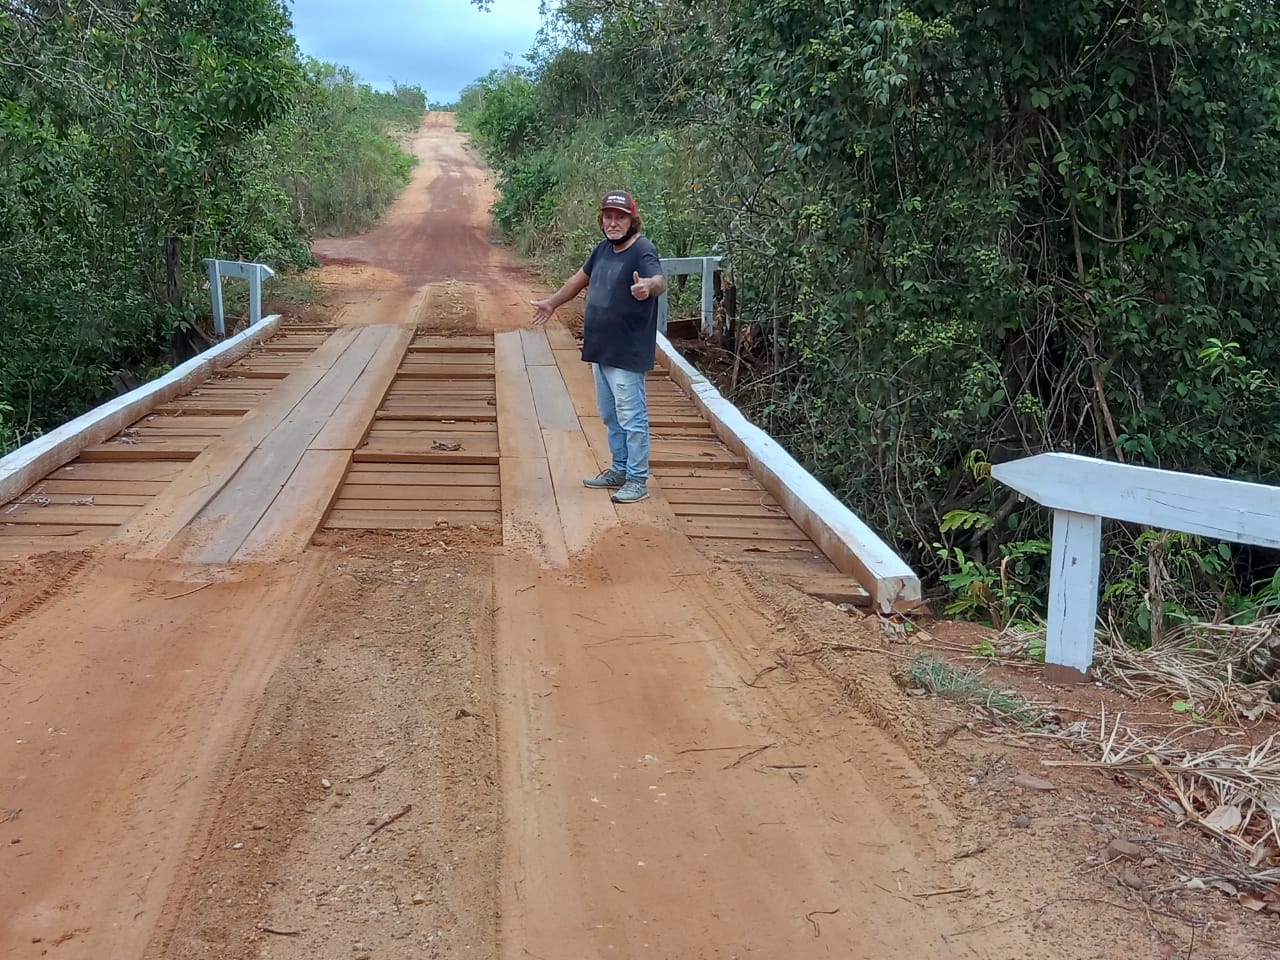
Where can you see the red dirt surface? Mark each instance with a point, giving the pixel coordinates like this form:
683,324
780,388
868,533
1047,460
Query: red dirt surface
424,745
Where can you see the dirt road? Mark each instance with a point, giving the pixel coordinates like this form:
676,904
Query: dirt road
431,745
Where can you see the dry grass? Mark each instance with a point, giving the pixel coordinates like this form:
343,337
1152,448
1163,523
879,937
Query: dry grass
1220,676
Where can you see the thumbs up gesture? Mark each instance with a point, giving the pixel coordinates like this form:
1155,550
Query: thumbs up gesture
639,286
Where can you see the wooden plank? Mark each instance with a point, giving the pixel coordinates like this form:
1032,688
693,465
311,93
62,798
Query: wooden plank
406,519
584,513
396,411
94,514
150,470
80,492
679,497
749,547
435,429
229,517
579,381
661,460
451,373
551,399
101,530
420,491
730,528
133,452
294,516
519,436
415,446
141,490
432,505
560,337
464,344
445,358
688,478
530,520
354,415
742,511
537,352
15,548
183,421
446,474
206,408
387,455
157,524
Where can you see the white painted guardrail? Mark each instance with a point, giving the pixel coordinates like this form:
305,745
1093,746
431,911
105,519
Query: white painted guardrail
35,460
255,273
1082,490
687,266
849,543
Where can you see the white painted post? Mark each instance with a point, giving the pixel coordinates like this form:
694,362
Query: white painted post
255,294
215,297
708,294
1073,589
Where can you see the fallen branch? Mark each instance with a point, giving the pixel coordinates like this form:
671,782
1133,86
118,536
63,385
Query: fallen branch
187,593
381,826
941,893
817,930
749,754
280,933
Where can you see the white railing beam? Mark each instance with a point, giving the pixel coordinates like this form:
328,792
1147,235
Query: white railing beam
255,273
689,266
1082,490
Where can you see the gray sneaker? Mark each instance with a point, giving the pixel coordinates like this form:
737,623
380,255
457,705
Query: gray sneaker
632,491
606,480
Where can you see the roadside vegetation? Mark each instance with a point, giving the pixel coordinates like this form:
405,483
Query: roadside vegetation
956,234
123,124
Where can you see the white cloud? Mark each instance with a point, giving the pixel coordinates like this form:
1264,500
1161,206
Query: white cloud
439,45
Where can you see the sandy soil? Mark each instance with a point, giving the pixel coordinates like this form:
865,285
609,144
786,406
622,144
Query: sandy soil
428,746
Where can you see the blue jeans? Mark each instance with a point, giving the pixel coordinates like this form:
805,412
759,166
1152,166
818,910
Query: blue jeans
624,408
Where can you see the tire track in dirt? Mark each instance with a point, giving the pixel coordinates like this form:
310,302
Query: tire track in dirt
122,728
61,580
660,804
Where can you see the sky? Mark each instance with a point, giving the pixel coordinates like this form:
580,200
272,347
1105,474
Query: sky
438,45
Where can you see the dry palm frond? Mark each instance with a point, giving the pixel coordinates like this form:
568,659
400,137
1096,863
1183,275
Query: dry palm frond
1231,792
1220,669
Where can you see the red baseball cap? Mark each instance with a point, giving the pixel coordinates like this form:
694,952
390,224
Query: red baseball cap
619,200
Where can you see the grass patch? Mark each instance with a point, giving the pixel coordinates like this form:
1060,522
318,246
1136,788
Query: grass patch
929,672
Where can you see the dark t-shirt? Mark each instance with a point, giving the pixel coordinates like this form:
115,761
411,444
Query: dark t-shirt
617,329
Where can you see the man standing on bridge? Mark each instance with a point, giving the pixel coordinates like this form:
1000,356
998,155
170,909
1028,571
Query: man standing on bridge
619,338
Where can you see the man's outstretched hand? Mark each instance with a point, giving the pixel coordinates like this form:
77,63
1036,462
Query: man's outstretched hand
542,310
640,288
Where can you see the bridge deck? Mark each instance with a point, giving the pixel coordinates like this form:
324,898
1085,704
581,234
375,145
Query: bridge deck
380,427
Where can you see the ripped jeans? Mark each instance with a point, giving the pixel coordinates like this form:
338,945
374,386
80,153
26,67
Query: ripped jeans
624,408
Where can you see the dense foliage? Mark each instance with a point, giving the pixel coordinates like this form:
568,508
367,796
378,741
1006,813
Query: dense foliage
125,122
960,232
